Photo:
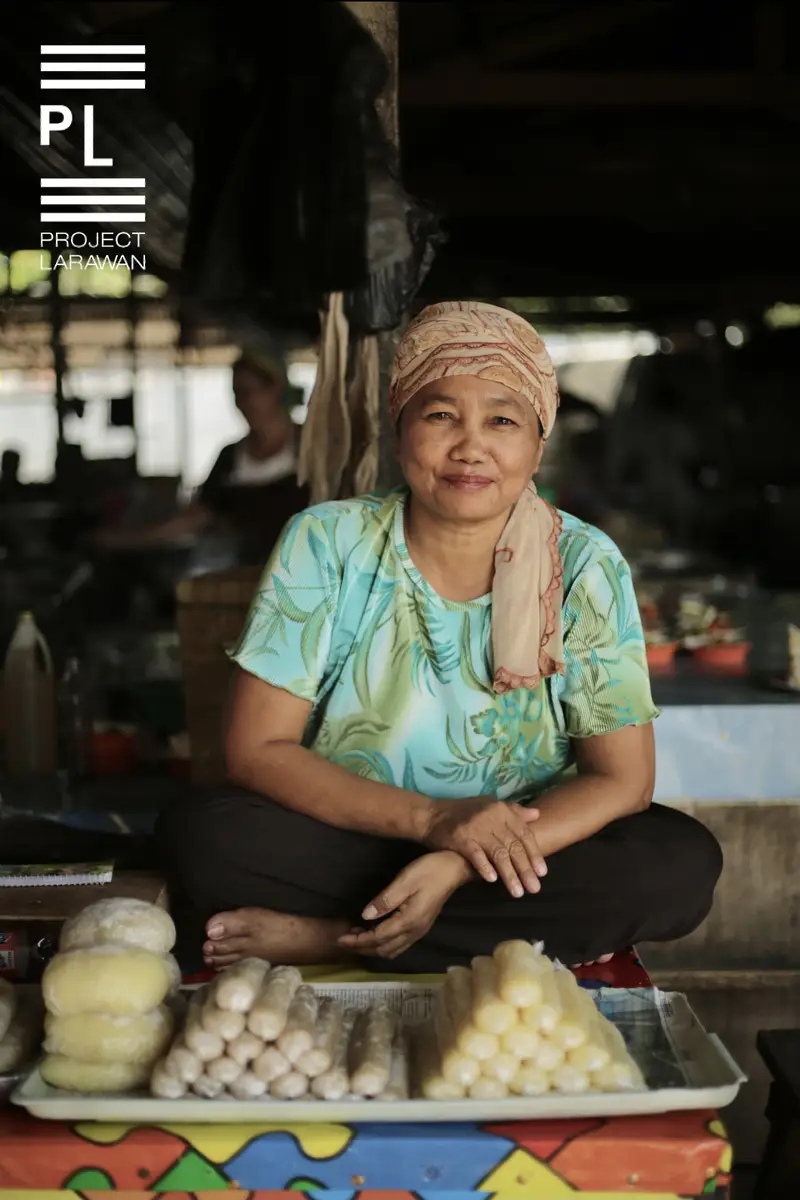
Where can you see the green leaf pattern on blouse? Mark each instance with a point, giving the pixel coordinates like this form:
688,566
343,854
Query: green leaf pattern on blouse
399,678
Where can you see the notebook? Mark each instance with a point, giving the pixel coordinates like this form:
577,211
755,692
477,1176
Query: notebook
55,874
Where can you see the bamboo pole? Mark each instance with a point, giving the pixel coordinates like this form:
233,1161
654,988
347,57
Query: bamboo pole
380,19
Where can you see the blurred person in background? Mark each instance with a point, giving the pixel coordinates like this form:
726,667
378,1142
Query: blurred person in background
251,490
10,483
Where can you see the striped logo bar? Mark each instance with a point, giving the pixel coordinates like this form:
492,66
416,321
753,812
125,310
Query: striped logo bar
64,68
72,198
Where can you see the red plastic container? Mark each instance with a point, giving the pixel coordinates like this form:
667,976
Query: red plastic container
729,658
112,752
661,656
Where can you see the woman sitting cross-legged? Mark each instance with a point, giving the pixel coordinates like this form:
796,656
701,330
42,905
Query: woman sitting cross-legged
441,728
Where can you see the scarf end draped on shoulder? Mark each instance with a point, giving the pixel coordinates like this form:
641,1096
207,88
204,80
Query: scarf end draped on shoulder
527,596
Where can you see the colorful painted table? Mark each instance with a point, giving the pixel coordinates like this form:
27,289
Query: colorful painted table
680,1156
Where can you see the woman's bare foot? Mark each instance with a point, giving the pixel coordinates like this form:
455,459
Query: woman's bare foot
278,937
595,962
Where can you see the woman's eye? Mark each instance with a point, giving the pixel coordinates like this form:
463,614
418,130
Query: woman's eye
438,416
503,421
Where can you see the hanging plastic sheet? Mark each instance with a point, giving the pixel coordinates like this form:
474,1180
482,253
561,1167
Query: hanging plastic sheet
295,195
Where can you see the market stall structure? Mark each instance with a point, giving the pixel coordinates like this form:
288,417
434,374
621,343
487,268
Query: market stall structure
724,748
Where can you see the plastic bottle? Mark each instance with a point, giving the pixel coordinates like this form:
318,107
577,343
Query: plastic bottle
29,686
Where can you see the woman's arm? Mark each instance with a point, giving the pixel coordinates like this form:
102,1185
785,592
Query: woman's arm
192,519
616,776
263,753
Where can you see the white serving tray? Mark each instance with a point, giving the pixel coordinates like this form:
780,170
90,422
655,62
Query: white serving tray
685,1067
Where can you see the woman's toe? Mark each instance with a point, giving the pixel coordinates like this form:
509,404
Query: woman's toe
225,947
227,960
227,924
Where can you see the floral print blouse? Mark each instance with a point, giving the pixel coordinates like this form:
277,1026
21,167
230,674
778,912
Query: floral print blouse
399,678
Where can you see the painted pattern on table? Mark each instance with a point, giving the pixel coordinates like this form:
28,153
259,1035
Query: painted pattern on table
670,1156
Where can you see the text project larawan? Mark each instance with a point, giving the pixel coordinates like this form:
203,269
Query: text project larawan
68,251
89,199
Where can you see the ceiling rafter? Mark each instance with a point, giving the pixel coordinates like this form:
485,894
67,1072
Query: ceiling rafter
568,30
582,89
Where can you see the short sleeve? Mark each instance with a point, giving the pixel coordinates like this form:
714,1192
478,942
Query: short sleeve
287,634
606,683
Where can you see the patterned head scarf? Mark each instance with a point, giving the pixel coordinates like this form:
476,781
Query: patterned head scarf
465,338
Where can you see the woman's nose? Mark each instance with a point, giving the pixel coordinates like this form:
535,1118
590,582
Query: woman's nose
469,446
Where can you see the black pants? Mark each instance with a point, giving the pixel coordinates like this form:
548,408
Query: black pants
649,877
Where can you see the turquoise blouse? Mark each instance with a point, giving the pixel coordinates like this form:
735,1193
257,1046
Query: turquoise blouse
399,679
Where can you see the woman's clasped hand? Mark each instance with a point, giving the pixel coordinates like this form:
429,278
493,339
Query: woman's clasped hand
408,907
486,837
495,837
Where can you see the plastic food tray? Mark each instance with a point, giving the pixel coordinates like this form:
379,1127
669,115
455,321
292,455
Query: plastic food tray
684,1067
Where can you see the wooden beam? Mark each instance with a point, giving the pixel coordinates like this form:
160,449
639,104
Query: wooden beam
568,30
680,269
642,194
106,13
380,18
770,35
571,89
539,39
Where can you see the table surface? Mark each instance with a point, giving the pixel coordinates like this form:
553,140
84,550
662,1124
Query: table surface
677,1154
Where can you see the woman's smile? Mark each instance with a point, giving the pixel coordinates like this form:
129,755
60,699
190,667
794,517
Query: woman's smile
468,483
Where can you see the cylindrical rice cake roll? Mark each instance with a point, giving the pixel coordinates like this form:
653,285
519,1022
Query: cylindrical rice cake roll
100,1037
120,980
72,1075
122,921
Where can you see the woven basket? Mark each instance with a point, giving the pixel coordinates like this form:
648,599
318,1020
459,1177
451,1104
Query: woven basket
211,614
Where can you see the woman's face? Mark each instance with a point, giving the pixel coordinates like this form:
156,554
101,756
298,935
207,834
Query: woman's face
468,447
257,398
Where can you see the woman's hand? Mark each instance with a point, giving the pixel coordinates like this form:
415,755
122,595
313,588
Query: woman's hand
495,837
415,898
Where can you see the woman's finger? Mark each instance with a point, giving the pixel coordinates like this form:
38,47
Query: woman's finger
359,941
522,864
386,931
525,835
370,947
533,852
505,869
397,947
476,855
388,900
528,814
396,926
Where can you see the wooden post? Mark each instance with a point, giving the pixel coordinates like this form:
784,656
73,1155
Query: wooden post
379,17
